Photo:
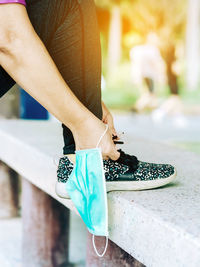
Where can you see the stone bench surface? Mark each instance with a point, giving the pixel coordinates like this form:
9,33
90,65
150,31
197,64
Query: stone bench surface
158,227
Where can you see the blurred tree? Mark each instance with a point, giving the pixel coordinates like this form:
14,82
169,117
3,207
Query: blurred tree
115,34
193,44
166,19
114,42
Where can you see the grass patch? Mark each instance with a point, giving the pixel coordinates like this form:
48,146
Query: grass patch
190,146
120,93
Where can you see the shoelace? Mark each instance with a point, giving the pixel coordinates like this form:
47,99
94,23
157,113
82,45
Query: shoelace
128,160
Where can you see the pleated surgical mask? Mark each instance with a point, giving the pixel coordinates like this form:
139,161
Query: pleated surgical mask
86,187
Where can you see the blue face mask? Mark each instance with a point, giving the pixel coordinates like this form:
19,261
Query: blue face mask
87,188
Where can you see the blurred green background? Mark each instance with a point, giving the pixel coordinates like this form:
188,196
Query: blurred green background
126,24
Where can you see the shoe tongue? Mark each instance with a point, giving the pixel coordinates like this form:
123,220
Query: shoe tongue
128,160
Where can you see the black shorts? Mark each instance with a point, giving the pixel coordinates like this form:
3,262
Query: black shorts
69,30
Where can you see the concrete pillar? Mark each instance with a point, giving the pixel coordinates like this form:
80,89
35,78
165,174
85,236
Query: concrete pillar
9,107
9,182
114,257
45,229
9,188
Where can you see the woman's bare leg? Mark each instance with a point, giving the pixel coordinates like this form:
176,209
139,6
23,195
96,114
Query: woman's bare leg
25,58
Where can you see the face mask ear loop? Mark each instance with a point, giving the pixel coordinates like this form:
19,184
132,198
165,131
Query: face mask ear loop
102,136
94,246
93,241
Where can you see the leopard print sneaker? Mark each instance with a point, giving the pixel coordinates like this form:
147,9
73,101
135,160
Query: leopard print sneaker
127,173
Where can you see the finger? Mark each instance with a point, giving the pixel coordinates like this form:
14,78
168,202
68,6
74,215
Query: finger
111,126
105,157
105,120
114,132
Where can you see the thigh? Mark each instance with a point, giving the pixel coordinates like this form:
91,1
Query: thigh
46,16
69,29
75,48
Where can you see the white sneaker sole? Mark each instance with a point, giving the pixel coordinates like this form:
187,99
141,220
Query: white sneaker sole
122,186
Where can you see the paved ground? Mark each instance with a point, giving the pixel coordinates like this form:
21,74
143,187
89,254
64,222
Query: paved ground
181,131
184,132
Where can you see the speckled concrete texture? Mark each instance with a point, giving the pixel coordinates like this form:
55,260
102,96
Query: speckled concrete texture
159,227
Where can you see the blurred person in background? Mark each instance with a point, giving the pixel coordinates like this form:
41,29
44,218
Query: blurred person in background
152,66
147,66
173,106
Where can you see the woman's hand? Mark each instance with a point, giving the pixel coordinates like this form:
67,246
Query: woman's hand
88,133
108,119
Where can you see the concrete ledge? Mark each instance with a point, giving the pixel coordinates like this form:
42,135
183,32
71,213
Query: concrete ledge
159,227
